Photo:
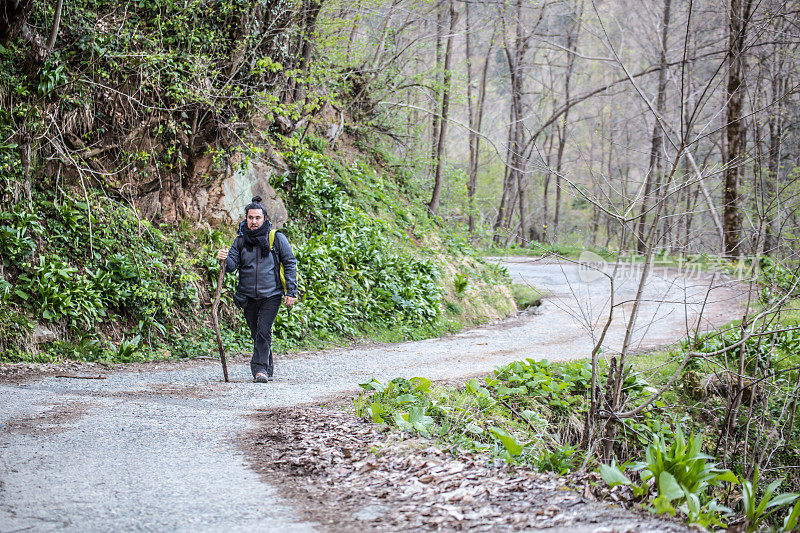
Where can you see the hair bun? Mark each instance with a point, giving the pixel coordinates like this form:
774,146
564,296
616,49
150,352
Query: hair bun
256,199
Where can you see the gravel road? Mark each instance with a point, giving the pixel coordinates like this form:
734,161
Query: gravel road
156,448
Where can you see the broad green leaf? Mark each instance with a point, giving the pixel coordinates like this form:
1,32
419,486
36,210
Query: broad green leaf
375,411
421,384
613,475
765,500
640,490
372,384
417,415
669,487
791,520
692,503
663,505
504,391
406,398
509,442
401,421
728,476
473,385
782,499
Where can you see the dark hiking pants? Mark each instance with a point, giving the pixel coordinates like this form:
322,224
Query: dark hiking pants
260,314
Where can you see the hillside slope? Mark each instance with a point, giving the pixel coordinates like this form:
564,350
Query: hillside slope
127,153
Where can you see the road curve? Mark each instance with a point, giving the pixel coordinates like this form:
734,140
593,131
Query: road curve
155,448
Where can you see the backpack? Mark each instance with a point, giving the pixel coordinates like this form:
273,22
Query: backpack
276,259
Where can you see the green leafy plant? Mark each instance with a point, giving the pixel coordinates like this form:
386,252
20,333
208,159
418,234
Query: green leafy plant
791,521
561,460
354,273
127,349
61,292
460,281
526,296
756,512
18,229
511,447
681,475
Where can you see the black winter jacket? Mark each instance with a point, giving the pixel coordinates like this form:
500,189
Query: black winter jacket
258,276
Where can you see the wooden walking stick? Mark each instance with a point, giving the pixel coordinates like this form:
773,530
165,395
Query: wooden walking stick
215,319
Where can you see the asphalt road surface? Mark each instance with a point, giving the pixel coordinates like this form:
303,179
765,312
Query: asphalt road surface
154,448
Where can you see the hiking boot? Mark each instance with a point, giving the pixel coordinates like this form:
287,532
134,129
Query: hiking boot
261,378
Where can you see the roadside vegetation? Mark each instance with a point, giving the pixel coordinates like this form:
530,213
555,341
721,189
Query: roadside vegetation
686,453
114,288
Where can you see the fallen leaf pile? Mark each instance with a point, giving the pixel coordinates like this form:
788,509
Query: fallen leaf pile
349,475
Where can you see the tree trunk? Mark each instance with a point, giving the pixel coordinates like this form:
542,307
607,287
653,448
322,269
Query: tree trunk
572,42
508,186
691,204
513,186
311,12
13,17
475,119
655,167
775,125
546,187
51,41
562,132
736,133
520,162
437,95
471,179
433,205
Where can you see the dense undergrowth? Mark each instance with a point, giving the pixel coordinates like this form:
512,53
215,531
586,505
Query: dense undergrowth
529,412
532,414
693,452
109,286
117,288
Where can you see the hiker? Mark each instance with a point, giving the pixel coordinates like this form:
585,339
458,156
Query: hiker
257,253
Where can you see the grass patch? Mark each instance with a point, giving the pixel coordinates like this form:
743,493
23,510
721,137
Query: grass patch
526,296
535,248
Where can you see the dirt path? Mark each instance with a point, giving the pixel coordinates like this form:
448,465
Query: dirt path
157,448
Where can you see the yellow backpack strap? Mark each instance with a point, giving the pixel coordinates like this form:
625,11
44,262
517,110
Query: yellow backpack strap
271,247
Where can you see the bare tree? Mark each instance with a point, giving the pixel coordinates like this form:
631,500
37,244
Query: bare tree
656,146
433,205
475,111
573,32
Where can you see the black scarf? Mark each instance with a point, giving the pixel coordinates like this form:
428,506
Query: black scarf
257,237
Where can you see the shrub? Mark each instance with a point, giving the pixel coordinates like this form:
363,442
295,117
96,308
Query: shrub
352,271
60,292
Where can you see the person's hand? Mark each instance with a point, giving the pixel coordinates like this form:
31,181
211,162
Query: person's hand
222,255
289,300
